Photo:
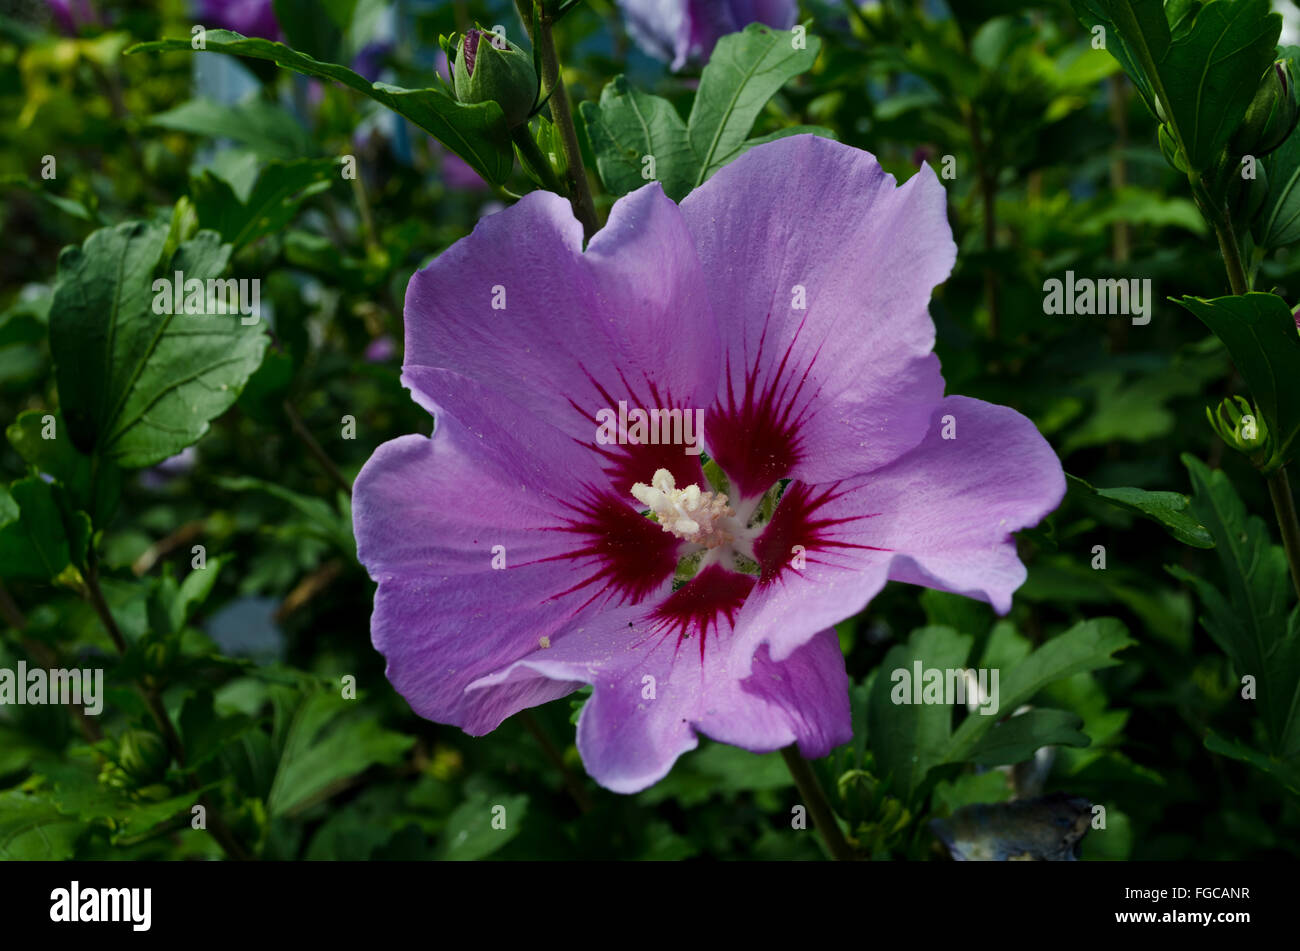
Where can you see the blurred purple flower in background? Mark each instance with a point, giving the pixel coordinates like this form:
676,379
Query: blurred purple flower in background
381,349
155,477
683,31
71,15
249,17
369,61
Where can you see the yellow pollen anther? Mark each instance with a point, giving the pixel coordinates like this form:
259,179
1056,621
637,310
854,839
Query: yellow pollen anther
688,513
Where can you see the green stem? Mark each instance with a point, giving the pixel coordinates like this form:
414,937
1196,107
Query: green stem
367,218
101,606
584,206
571,782
534,159
1232,257
822,814
986,177
320,455
1221,221
216,825
1279,487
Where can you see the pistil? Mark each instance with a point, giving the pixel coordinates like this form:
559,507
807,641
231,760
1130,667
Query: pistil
701,517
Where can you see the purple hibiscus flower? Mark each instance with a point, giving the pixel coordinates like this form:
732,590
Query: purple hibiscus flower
684,31
71,15
787,298
249,17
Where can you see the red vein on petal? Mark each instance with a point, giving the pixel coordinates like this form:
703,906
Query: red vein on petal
756,439
793,523
626,465
629,556
701,604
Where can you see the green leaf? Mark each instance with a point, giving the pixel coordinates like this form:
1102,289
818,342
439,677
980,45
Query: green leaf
1138,44
319,254
969,788
326,745
477,133
194,590
717,771
1138,409
908,739
1016,739
93,489
785,133
1260,333
1138,206
1088,645
172,604
1202,72
1006,647
69,206
324,521
470,835
139,386
964,615
626,127
135,819
744,72
32,828
40,535
576,702
271,131
1285,771
1167,508
1252,623
280,188
315,26
204,733
77,792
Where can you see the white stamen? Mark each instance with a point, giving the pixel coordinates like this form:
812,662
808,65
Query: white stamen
700,517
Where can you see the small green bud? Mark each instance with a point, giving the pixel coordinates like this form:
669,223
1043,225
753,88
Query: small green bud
114,777
548,140
1242,429
1271,115
185,222
159,655
143,755
489,68
1170,149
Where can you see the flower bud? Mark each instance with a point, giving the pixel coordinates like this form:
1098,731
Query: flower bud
1160,110
1242,428
1170,149
485,72
143,755
1271,115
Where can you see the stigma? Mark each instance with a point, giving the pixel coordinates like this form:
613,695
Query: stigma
704,518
